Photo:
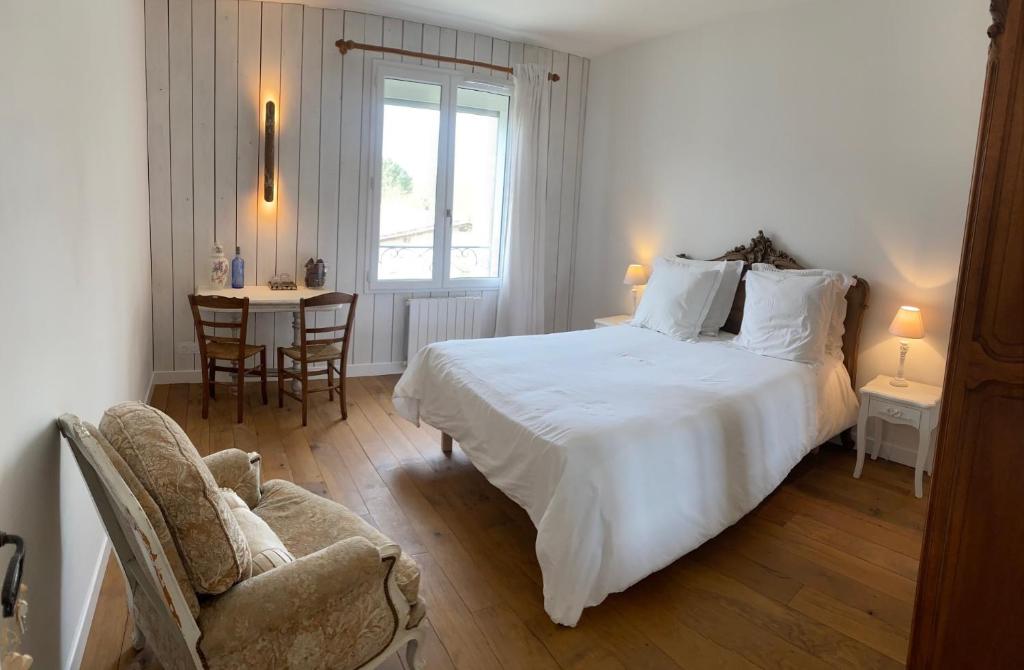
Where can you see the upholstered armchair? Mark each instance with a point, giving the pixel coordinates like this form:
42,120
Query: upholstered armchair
226,572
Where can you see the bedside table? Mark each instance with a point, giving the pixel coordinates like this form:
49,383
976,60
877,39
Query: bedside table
616,320
916,405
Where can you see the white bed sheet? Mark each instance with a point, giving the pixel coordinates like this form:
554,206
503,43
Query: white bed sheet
627,448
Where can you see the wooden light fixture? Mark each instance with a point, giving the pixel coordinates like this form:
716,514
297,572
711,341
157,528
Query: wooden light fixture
268,153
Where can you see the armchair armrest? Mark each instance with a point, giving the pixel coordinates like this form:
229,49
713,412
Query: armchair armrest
332,608
234,469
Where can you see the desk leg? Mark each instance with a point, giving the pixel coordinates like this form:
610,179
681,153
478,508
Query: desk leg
862,429
296,341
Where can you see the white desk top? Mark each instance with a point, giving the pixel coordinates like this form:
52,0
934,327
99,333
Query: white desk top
915,393
263,299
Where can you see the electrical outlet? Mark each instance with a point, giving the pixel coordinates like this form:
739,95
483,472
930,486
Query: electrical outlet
187,348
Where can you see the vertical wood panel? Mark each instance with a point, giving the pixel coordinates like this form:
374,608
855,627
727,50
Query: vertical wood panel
483,49
465,47
180,60
289,130
330,148
250,16
159,146
516,54
399,316
248,138
383,314
431,43
270,90
266,212
226,122
204,24
449,38
309,151
362,347
352,138
499,56
210,66
392,36
412,40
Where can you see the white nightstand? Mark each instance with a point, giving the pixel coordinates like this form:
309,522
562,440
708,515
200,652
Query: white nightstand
616,320
915,405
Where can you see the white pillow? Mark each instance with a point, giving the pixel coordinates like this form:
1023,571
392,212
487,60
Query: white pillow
842,284
787,316
677,298
721,305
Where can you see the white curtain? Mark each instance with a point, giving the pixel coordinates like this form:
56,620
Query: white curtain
521,299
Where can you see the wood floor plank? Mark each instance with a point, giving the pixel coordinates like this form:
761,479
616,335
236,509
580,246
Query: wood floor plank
850,521
873,553
820,575
852,622
518,648
455,625
803,632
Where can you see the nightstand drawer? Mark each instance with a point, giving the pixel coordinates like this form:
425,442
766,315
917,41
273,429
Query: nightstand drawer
894,411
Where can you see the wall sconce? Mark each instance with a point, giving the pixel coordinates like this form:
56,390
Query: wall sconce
268,154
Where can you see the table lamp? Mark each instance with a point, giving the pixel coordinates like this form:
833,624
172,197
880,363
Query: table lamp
636,275
907,324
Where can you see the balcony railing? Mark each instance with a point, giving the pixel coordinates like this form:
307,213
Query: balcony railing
400,261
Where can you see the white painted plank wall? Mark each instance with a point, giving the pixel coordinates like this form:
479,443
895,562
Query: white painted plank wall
210,67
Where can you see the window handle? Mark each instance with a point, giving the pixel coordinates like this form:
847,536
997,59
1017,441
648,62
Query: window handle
448,214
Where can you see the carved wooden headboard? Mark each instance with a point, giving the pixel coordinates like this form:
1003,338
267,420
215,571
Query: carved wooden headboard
762,250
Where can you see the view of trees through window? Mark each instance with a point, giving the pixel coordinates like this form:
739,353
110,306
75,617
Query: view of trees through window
471,186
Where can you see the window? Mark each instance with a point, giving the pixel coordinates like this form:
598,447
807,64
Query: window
439,201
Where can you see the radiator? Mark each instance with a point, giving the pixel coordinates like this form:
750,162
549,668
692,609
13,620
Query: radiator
440,319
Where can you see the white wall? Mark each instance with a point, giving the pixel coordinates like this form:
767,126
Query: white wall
76,333
845,130
210,66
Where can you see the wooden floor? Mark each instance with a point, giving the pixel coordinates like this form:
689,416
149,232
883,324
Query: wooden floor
820,575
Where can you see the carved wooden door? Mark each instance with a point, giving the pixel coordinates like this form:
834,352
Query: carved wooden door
970,597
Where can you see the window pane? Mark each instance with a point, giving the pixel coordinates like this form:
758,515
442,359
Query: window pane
481,123
408,188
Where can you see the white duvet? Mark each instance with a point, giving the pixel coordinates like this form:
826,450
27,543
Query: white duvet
627,448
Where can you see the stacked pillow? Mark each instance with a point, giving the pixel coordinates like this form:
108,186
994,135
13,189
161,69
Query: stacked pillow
795,315
678,298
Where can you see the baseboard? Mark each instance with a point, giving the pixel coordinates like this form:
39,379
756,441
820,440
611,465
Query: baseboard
354,370
376,369
81,638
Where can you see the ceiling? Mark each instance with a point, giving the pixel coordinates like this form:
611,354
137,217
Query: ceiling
583,27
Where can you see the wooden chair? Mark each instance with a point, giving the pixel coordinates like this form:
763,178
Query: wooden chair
325,350
214,347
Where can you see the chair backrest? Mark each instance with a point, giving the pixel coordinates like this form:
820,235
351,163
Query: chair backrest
237,329
138,549
310,332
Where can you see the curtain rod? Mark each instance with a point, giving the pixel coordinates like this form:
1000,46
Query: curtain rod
344,46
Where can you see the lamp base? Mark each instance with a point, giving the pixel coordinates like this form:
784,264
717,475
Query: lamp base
898,380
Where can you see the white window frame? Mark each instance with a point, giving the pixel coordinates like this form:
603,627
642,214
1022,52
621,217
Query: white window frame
450,81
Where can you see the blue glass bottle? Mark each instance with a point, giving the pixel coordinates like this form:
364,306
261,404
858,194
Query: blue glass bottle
238,269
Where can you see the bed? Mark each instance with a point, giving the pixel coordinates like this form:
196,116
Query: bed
628,448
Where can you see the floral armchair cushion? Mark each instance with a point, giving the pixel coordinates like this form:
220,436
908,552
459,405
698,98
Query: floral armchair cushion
209,540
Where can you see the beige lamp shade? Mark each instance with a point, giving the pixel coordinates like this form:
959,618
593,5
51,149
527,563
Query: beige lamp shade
908,323
636,275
